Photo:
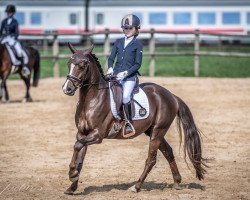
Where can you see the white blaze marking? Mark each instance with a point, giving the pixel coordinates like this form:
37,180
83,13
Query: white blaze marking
72,66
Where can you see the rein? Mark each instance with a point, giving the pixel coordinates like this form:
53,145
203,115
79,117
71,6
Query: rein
107,78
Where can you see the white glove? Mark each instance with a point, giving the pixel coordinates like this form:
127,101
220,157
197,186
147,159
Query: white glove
120,76
110,71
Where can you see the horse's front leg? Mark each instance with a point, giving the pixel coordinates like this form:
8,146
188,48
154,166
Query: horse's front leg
75,170
4,94
80,149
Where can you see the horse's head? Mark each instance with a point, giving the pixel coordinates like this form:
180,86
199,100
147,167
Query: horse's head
78,66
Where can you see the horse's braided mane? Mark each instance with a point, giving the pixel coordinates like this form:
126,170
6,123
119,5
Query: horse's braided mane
1,48
98,64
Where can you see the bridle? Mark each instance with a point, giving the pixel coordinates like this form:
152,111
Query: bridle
107,78
74,79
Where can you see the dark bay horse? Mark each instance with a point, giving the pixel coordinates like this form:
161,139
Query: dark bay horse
94,119
6,66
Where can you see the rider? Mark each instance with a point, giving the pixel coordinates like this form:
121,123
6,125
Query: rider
10,32
128,51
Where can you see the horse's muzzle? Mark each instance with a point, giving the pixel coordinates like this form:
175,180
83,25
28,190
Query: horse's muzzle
69,93
69,89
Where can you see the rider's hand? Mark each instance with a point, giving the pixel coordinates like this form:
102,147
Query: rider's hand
110,71
120,76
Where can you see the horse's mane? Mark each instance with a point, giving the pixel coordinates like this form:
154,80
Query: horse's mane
98,64
1,45
1,48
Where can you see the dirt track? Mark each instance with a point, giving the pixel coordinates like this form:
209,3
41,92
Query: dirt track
36,142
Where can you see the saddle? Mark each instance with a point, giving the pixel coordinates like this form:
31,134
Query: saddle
16,60
121,120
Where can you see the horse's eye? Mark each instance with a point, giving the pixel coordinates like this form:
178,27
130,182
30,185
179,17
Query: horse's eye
84,63
81,64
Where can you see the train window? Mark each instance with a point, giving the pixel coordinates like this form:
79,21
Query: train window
182,18
248,18
231,18
20,17
206,18
99,18
36,18
73,19
157,18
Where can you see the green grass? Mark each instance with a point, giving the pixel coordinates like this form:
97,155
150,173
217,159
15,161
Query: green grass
170,66
224,67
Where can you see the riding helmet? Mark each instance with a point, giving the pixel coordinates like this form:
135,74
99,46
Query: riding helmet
10,9
130,20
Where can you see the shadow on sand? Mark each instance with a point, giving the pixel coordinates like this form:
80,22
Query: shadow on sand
20,101
147,186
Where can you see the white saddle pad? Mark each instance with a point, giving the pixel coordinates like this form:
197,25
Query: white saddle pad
140,97
14,60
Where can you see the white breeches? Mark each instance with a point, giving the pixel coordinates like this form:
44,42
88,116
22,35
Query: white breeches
19,50
128,87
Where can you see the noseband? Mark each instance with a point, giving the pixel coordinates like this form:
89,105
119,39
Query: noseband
74,79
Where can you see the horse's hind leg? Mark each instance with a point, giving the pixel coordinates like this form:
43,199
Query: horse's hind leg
78,166
150,162
167,151
27,97
1,90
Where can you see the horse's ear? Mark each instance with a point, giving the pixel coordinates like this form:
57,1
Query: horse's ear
73,49
90,49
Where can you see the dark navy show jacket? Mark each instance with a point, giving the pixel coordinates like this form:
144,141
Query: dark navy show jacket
10,29
128,58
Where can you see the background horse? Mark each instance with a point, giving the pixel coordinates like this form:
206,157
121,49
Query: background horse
94,119
6,66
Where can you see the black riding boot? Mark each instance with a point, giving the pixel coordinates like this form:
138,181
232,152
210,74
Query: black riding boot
128,113
25,70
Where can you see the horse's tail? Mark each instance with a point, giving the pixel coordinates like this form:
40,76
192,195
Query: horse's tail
192,138
36,68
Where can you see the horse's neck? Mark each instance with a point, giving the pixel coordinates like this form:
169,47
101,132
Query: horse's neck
94,89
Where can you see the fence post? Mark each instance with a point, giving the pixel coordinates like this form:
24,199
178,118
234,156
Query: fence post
219,43
152,53
45,45
196,53
88,42
175,42
106,48
55,54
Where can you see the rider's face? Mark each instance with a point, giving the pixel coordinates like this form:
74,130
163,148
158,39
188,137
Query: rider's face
129,32
10,14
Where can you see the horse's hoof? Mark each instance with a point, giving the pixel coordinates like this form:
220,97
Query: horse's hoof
72,188
26,100
4,101
177,186
69,192
133,189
